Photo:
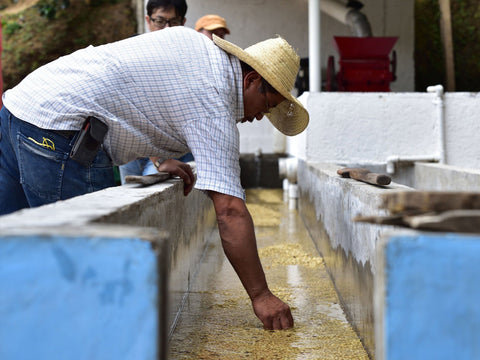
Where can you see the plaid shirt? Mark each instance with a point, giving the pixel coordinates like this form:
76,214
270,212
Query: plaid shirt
163,93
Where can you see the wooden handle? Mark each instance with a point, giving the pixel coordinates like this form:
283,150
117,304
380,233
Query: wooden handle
147,179
364,175
372,178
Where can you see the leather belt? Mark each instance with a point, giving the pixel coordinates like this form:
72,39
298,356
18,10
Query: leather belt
69,134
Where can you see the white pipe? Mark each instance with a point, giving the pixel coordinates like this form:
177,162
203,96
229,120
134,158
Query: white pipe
292,196
285,189
438,101
314,65
287,168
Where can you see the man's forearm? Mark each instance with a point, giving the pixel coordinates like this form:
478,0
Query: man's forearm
238,239
239,244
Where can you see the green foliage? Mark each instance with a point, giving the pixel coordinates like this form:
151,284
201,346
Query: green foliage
52,28
429,62
11,27
103,2
429,52
49,8
466,43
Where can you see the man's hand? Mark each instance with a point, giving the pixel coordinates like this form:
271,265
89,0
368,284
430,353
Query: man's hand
177,168
273,312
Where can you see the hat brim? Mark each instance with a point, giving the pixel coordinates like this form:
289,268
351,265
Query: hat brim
215,27
289,117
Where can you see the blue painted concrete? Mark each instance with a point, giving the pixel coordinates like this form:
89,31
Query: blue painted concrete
432,305
77,298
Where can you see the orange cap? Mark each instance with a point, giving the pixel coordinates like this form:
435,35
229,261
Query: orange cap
211,22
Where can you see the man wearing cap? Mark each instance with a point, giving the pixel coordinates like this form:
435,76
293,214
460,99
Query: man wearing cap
160,94
210,25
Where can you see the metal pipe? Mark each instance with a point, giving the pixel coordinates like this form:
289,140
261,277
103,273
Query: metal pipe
353,18
314,66
358,23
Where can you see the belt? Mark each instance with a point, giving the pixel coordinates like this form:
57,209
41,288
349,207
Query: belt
69,134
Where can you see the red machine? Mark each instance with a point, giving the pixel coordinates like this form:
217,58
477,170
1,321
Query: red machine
364,64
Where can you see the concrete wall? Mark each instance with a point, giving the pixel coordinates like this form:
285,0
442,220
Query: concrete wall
426,298
82,293
102,275
327,204
381,273
437,177
371,128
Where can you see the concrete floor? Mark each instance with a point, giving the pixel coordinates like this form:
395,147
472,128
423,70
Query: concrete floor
217,321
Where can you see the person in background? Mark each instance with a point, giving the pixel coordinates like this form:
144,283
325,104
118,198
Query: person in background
212,24
165,13
160,15
161,95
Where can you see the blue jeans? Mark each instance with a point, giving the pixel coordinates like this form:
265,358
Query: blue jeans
141,166
144,166
36,169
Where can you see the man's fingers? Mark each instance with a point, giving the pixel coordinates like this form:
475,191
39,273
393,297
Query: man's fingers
182,174
185,172
180,169
191,180
190,173
279,323
274,313
187,189
283,322
287,321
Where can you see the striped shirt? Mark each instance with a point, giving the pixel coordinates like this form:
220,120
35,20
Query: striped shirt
163,93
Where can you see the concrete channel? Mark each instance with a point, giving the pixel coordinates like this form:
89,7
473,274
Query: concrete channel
217,321
137,273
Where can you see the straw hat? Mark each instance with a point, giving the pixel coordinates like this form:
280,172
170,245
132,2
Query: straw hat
211,22
277,62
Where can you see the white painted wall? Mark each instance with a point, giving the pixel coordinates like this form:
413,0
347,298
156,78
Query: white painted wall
462,129
371,127
251,21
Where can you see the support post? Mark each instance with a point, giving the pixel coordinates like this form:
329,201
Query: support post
446,30
314,65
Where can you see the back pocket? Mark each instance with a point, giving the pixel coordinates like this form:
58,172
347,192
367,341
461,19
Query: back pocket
41,166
